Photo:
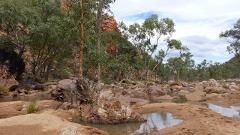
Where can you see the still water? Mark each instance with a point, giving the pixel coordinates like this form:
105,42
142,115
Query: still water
154,122
232,111
40,96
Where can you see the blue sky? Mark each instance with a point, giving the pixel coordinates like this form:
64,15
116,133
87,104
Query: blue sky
198,22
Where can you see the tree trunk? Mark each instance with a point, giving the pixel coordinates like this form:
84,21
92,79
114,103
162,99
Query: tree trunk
81,41
98,32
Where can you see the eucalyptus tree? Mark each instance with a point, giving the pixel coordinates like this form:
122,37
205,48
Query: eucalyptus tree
146,37
233,37
181,65
81,40
172,44
15,20
102,6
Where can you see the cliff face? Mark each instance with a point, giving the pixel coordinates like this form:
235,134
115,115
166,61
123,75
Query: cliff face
108,24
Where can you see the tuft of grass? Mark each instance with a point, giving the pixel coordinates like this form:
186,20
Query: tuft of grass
180,99
31,107
3,90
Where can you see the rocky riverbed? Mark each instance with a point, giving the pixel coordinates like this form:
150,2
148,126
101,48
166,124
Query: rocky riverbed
126,102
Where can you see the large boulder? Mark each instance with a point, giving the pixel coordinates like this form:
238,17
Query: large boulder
67,84
58,92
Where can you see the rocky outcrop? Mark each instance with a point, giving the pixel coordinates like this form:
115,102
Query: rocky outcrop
6,79
73,90
108,24
210,83
14,108
110,111
213,86
156,90
218,90
44,124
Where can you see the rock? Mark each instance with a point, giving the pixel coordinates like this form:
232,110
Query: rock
171,82
176,88
13,88
48,104
210,83
44,123
218,90
15,94
14,108
102,112
6,79
213,82
51,88
66,106
183,92
108,24
107,94
37,86
138,94
233,86
197,95
156,91
110,112
184,84
67,84
124,93
9,109
58,91
9,83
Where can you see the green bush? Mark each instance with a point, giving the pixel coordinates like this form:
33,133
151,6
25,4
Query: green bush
3,90
180,99
31,107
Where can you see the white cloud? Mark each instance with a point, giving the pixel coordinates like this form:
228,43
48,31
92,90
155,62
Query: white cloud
198,22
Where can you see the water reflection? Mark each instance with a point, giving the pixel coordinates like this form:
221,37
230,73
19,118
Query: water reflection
41,96
155,122
232,111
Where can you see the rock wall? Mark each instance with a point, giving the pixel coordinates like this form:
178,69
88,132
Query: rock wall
6,79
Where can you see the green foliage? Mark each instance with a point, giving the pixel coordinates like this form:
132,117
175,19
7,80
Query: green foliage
180,99
233,38
31,107
3,90
50,37
146,38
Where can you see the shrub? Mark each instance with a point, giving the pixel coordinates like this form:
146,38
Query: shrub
31,107
180,99
3,90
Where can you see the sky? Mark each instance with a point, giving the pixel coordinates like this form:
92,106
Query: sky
198,23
